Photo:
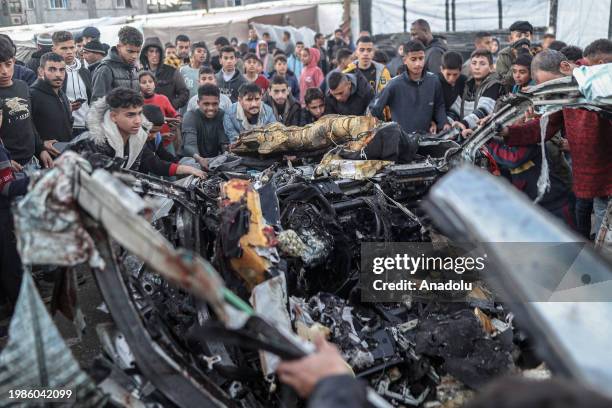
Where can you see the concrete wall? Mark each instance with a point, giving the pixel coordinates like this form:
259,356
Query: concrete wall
77,10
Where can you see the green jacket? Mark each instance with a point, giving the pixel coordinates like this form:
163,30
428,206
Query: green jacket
505,59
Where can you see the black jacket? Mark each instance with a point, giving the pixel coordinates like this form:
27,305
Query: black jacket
230,88
291,114
361,96
215,63
306,117
452,95
51,112
92,68
203,136
34,61
113,72
170,81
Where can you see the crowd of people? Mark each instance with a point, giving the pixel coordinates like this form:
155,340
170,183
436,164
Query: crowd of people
165,108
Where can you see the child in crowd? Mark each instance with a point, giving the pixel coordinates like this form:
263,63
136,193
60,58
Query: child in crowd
480,94
252,71
147,83
207,76
281,69
521,72
453,83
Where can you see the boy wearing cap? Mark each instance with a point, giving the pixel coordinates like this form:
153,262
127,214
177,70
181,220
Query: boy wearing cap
518,30
93,53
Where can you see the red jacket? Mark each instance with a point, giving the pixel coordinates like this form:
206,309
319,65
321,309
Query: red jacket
590,141
167,109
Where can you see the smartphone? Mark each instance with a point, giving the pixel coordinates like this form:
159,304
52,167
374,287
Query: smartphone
80,100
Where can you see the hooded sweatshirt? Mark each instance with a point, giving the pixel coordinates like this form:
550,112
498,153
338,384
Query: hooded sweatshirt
113,72
267,59
170,81
433,55
104,138
311,76
51,112
230,87
357,103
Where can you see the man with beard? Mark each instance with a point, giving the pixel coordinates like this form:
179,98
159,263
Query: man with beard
78,83
434,48
285,108
203,131
248,113
93,54
18,134
183,45
50,107
118,69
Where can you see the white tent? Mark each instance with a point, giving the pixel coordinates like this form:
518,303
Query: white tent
313,15
578,21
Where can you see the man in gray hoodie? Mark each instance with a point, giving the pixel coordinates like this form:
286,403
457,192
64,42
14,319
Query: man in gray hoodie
434,48
415,97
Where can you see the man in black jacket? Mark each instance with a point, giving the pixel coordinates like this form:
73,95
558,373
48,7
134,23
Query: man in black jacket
43,46
202,129
116,129
349,94
50,107
170,81
78,83
279,98
18,132
118,69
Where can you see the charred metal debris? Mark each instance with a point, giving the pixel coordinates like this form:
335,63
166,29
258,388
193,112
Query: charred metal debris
210,281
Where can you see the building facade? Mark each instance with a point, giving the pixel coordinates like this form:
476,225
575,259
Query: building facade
16,12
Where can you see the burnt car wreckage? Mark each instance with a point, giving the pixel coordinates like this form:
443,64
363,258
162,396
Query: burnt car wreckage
210,281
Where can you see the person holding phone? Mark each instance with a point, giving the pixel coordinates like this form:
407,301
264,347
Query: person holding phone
78,82
51,110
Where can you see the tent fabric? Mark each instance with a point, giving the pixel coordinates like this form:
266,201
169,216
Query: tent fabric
579,22
304,34
470,15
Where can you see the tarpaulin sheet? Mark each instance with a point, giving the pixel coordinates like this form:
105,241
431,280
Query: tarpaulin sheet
579,22
470,15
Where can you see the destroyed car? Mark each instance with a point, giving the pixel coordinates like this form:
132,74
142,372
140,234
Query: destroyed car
210,283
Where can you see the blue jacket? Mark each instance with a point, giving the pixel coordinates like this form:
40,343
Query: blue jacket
413,104
234,125
25,74
295,65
